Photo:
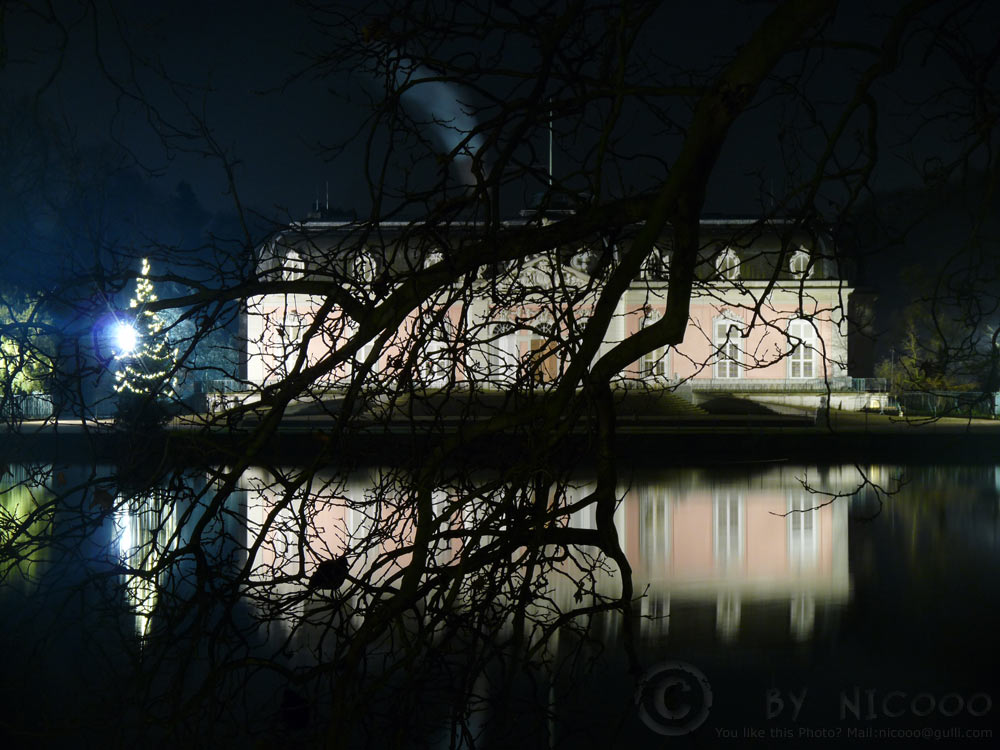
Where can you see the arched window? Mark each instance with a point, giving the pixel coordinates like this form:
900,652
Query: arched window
363,268
434,256
799,265
582,261
727,348
727,264
655,265
802,349
293,266
654,365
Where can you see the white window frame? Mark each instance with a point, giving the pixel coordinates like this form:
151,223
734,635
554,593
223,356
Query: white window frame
434,365
803,531
727,264
294,267
728,613
728,352
364,268
803,364
654,529
799,264
655,265
729,530
654,366
291,327
434,256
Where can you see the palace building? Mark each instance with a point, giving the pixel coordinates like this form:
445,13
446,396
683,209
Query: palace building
772,309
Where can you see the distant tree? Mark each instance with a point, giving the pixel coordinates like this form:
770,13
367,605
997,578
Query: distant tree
26,343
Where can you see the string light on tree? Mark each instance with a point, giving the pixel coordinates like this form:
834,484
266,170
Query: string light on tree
145,367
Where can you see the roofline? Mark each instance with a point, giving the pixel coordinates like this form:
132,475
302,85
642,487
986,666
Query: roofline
329,224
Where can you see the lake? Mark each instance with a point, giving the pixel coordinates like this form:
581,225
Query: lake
772,603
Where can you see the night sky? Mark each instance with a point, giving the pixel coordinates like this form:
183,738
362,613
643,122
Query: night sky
235,62
112,79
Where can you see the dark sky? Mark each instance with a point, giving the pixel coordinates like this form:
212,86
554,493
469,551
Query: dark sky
230,62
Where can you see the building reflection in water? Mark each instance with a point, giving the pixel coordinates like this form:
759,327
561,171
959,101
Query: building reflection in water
738,546
145,529
704,548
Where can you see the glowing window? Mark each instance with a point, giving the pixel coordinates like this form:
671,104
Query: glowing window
728,264
655,266
654,365
293,266
727,348
798,264
802,349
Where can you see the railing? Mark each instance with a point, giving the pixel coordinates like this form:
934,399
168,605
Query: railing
869,385
786,385
27,406
224,385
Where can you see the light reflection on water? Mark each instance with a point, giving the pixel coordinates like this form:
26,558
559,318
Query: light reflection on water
784,574
691,540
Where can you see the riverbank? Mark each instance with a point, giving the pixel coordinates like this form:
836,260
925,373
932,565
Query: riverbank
689,439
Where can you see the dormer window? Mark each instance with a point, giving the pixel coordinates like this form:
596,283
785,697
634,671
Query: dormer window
293,267
582,261
727,264
655,265
364,268
435,256
799,264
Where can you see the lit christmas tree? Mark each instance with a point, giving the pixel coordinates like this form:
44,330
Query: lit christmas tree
143,378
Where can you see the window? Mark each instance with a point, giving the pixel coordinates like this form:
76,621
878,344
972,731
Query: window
539,336
653,365
501,350
803,532
293,267
727,615
802,349
727,264
544,359
364,268
434,256
798,264
434,364
655,265
582,261
291,327
727,348
802,616
729,522
655,612
654,529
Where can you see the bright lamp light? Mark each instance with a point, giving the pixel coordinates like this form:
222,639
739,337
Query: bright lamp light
126,338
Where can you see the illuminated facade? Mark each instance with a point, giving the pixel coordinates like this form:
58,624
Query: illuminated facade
769,309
